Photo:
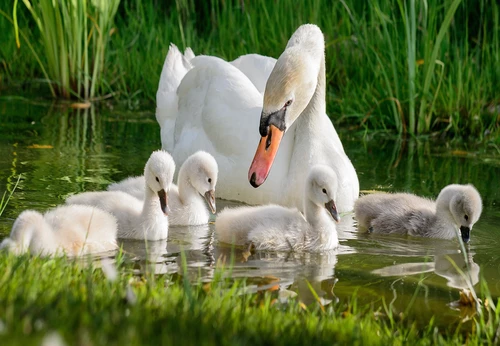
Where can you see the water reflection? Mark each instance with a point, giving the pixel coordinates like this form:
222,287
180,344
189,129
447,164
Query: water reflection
460,271
84,150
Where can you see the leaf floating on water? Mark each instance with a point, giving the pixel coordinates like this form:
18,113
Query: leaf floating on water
207,287
467,299
80,105
40,146
459,153
95,180
467,304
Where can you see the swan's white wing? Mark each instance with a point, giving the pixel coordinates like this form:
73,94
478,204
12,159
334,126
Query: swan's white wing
175,67
256,67
217,105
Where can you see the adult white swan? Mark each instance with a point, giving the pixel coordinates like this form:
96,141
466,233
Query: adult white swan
206,103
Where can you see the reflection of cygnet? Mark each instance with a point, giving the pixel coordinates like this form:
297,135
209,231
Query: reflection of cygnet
150,256
457,207
444,267
450,266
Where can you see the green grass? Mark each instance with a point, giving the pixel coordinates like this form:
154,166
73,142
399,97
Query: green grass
42,296
404,66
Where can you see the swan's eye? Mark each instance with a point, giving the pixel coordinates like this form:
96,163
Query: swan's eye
209,180
158,180
324,191
466,217
288,103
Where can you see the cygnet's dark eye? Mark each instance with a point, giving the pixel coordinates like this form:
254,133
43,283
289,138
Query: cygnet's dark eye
466,217
158,180
288,103
209,180
324,190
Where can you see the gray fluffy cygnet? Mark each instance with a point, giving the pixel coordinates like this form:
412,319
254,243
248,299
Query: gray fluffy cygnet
457,207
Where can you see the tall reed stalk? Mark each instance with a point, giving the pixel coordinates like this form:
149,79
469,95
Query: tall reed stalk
74,36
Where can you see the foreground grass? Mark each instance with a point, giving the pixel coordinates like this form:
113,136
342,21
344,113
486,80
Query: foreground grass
40,297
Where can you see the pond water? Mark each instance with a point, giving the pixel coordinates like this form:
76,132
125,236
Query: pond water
61,151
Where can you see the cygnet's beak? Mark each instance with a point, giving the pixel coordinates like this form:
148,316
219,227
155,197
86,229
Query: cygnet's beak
210,198
465,231
163,201
264,156
332,209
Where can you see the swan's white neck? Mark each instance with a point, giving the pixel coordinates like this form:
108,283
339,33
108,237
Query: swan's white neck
317,105
305,141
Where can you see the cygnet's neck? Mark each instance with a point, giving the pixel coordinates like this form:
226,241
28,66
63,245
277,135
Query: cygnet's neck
322,232
316,215
445,222
151,203
187,191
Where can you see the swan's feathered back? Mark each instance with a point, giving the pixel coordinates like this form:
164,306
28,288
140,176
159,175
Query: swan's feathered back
256,67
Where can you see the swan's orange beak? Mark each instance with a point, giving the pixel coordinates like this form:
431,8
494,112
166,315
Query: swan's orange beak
264,156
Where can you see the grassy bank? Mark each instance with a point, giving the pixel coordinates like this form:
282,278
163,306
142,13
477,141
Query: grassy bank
41,298
405,66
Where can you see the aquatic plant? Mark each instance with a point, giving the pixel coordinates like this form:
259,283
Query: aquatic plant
5,199
74,36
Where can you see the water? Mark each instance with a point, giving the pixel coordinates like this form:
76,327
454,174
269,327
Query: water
60,151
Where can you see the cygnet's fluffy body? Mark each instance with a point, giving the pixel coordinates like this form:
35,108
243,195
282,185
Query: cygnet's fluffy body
456,209
138,219
197,178
72,230
277,228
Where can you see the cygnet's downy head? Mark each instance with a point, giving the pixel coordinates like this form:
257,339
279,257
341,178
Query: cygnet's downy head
465,205
202,170
321,188
289,89
159,173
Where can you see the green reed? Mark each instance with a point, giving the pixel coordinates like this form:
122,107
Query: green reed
74,36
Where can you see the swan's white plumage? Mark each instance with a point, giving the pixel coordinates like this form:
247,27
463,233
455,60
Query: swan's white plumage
72,230
217,107
273,227
256,67
138,219
197,177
